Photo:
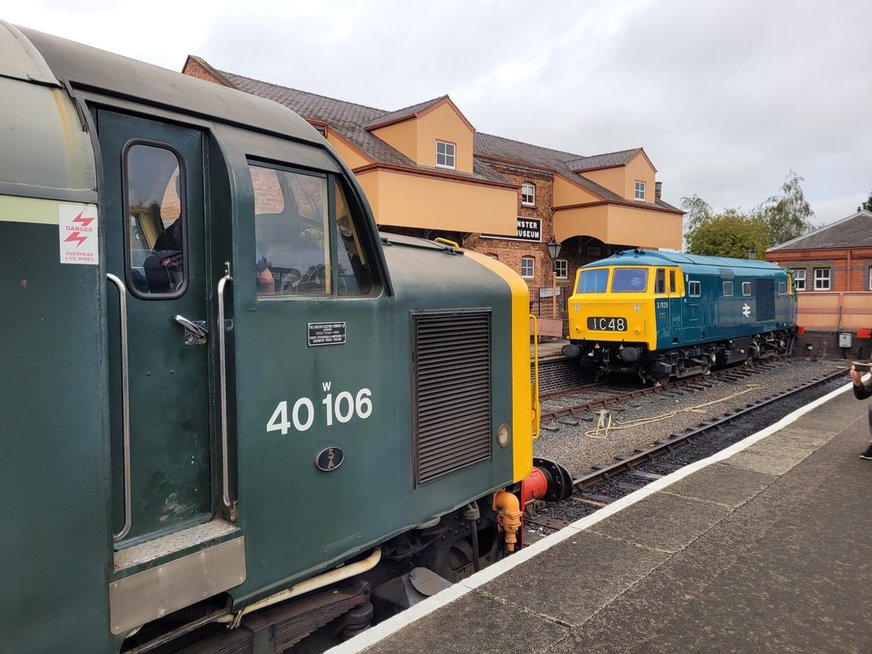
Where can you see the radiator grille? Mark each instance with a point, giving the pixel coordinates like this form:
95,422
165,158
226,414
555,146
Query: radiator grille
765,299
451,391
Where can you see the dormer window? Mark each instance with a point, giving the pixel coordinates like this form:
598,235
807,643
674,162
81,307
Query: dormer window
640,190
444,154
528,194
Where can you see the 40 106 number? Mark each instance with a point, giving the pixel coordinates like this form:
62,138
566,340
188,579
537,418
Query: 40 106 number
341,408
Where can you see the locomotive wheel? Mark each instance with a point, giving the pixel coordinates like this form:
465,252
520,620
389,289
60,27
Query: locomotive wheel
663,381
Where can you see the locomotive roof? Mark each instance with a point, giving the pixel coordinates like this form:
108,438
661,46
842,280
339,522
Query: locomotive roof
660,258
94,70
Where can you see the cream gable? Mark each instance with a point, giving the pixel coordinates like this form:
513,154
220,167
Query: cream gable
622,179
416,136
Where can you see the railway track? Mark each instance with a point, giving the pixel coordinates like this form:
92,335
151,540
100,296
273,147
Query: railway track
606,394
634,470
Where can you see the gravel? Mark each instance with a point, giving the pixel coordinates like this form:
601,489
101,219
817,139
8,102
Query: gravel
596,438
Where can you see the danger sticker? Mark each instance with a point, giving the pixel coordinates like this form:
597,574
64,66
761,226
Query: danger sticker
78,233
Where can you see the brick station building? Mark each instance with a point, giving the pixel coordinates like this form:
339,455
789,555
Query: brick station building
832,271
427,172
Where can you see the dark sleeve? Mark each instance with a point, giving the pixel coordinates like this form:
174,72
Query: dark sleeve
862,391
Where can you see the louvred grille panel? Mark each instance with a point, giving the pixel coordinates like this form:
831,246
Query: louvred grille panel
452,391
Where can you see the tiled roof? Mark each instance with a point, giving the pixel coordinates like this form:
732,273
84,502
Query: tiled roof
354,122
600,161
855,231
488,145
403,114
346,117
350,120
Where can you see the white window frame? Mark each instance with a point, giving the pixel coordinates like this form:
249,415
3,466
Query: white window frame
694,288
746,289
640,190
528,194
448,155
869,286
799,279
561,268
728,289
823,279
528,267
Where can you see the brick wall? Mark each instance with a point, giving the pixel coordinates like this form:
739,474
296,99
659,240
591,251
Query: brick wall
511,252
845,276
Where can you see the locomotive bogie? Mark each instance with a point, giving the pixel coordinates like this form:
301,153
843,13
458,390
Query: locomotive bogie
662,314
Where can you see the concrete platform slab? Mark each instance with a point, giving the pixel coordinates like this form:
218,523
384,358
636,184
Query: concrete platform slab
577,577
664,522
769,458
723,484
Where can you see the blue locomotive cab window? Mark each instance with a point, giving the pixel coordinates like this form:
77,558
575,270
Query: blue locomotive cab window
728,289
298,217
630,280
694,288
746,289
592,281
660,281
156,233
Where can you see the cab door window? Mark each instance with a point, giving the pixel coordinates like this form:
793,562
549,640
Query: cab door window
306,240
155,210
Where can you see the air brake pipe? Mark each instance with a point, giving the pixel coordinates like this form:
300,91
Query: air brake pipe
331,577
508,516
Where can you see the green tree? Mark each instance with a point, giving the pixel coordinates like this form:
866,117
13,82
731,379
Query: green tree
867,205
730,234
787,215
696,211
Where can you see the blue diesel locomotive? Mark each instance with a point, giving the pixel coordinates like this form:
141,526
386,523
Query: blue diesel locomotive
667,314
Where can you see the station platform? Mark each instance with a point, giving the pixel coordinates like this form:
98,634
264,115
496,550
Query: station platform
764,547
549,349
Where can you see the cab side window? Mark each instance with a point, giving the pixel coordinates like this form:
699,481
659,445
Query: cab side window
660,281
306,240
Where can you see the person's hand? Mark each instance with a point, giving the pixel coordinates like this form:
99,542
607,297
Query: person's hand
856,376
266,283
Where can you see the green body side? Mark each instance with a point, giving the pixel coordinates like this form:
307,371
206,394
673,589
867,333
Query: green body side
61,406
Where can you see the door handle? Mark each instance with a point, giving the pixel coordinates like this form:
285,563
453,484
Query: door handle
195,331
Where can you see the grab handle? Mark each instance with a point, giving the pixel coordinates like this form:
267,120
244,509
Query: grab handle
222,383
125,405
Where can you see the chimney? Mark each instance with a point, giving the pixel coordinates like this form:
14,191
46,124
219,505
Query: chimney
658,188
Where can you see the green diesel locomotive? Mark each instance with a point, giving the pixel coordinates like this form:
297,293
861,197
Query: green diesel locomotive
235,417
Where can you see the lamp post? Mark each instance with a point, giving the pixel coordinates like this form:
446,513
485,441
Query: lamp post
553,252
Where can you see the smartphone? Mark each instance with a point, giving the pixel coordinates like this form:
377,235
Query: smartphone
860,366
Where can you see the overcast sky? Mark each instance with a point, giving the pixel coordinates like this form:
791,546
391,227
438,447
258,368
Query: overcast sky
726,96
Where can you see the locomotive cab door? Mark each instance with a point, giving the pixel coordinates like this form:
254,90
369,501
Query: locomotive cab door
154,226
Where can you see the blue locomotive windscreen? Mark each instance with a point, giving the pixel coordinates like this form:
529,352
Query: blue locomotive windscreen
593,281
629,280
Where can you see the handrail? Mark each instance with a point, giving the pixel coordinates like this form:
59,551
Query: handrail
125,406
222,368
537,406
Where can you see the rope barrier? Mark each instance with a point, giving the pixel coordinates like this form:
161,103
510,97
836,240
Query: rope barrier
605,425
